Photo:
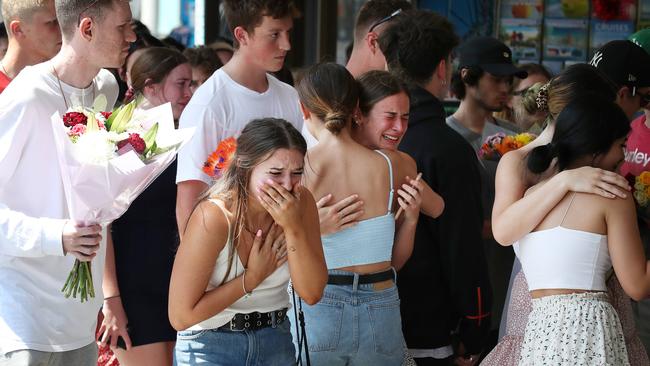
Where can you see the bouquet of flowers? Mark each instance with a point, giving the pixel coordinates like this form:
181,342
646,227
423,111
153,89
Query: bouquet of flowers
497,145
107,159
641,192
220,158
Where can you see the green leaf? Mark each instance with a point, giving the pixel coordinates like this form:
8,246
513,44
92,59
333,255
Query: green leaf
109,121
123,116
150,139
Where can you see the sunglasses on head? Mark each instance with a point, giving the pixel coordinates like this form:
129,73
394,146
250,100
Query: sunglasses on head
384,20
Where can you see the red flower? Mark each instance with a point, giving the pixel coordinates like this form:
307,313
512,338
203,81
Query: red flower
71,119
106,115
219,160
135,141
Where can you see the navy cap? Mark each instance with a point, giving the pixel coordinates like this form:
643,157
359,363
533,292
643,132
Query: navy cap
489,54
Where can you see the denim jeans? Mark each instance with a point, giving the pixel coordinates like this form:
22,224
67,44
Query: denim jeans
354,325
264,347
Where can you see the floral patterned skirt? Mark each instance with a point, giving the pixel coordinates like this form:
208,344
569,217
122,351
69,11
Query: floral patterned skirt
574,329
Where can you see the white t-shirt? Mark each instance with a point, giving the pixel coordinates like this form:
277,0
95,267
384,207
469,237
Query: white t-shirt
221,108
34,314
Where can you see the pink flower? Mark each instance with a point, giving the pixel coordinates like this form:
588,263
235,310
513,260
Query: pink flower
77,130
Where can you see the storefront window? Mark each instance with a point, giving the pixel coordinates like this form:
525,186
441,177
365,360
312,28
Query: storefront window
347,13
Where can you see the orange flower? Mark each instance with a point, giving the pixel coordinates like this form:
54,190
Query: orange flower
219,160
645,178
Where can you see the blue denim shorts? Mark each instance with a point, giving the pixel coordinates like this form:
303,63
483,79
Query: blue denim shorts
354,325
264,347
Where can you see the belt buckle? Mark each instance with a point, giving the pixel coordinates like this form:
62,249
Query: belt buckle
233,326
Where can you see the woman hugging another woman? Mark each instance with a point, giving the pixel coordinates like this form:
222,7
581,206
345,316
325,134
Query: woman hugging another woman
358,320
567,256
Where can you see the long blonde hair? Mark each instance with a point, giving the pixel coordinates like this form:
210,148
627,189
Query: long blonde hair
257,142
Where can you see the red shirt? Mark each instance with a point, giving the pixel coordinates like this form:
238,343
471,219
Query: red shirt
4,81
637,152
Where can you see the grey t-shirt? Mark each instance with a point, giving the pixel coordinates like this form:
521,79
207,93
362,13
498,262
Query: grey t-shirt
488,168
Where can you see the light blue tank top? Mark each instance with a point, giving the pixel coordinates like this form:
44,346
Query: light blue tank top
370,241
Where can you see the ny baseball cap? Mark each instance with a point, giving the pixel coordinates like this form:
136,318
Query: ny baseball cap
624,62
489,54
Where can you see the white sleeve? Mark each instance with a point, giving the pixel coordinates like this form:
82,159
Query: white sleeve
20,235
206,137
23,236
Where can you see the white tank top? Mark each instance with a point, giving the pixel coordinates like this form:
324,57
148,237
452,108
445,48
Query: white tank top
562,258
270,295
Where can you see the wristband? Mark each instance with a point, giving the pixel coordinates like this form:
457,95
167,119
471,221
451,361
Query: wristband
243,285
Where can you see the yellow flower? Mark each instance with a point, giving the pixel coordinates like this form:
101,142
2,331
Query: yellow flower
645,178
524,138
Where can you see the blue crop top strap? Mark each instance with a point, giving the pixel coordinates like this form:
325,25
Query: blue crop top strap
390,176
369,241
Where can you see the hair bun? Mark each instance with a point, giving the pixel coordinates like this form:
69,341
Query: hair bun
541,157
336,121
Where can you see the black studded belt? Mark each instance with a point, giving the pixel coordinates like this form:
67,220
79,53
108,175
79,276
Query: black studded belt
255,321
337,279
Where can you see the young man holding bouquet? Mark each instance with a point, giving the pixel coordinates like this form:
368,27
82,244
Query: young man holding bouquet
38,245
34,36
482,83
444,285
237,93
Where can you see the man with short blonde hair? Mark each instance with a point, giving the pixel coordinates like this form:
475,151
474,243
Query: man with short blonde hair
34,36
38,241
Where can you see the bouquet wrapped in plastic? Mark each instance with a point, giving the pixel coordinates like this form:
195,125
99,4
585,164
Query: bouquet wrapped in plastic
107,159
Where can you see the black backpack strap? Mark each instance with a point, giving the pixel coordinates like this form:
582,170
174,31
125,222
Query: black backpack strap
301,334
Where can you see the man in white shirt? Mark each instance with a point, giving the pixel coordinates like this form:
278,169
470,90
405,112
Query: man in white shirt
38,244
237,93
34,36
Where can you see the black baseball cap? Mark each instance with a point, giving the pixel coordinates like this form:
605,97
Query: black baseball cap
624,62
489,54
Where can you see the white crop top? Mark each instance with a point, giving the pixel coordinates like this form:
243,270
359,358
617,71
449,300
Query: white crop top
562,258
270,295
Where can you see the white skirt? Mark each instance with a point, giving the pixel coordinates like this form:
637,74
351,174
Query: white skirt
573,329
